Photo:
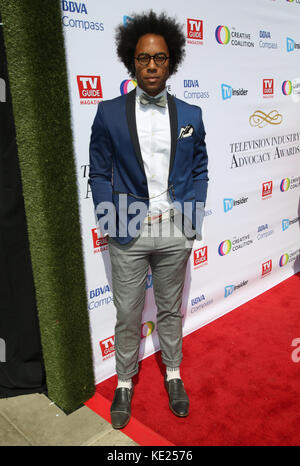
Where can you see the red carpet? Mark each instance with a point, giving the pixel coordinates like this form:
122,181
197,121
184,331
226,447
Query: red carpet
239,373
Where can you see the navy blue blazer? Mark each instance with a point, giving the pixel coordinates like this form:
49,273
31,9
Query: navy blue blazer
116,164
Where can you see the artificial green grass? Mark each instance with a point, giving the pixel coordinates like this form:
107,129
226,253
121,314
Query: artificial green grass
39,87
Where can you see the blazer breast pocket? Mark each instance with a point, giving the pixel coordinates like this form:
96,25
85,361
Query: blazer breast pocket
186,140
185,144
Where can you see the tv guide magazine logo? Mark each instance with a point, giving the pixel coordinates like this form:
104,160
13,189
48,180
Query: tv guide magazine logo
90,89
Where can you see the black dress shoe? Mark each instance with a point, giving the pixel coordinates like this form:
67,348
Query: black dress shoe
120,410
178,399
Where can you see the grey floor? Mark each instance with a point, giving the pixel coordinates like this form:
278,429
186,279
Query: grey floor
33,420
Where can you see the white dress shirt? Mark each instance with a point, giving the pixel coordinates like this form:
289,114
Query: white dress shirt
153,128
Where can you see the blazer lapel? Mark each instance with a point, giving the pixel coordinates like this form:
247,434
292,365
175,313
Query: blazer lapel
173,128
131,121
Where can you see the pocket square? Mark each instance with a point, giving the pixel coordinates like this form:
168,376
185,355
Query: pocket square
186,132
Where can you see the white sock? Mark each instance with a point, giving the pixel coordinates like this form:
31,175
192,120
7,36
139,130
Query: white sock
173,373
124,383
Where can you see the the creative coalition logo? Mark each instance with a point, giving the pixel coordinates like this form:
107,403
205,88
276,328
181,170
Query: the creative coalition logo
107,347
229,204
264,231
267,188
285,184
90,90
194,91
200,257
222,35
287,87
266,268
234,245
100,243
268,88
127,85
292,88
291,45
224,247
228,92
200,302
264,41
236,38
284,259
289,183
79,8
289,257
194,31
2,90
147,328
229,289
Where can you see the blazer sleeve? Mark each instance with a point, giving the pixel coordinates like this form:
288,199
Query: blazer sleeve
200,162
101,151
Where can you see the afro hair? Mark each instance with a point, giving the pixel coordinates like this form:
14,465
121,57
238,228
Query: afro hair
128,35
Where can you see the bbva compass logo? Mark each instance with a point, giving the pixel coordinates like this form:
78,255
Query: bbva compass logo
74,7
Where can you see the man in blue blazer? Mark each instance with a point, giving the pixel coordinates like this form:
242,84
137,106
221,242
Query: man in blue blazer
148,175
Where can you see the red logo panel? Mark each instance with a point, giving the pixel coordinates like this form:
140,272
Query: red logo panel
267,188
268,86
89,87
200,256
107,346
194,29
266,268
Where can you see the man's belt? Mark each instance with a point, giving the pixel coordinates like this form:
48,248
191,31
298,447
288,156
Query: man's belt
150,219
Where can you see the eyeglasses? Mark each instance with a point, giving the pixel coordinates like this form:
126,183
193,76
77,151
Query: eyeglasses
159,59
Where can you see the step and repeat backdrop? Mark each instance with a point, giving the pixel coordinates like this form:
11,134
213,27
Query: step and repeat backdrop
242,67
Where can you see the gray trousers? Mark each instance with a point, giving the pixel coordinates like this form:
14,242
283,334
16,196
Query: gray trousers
164,247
